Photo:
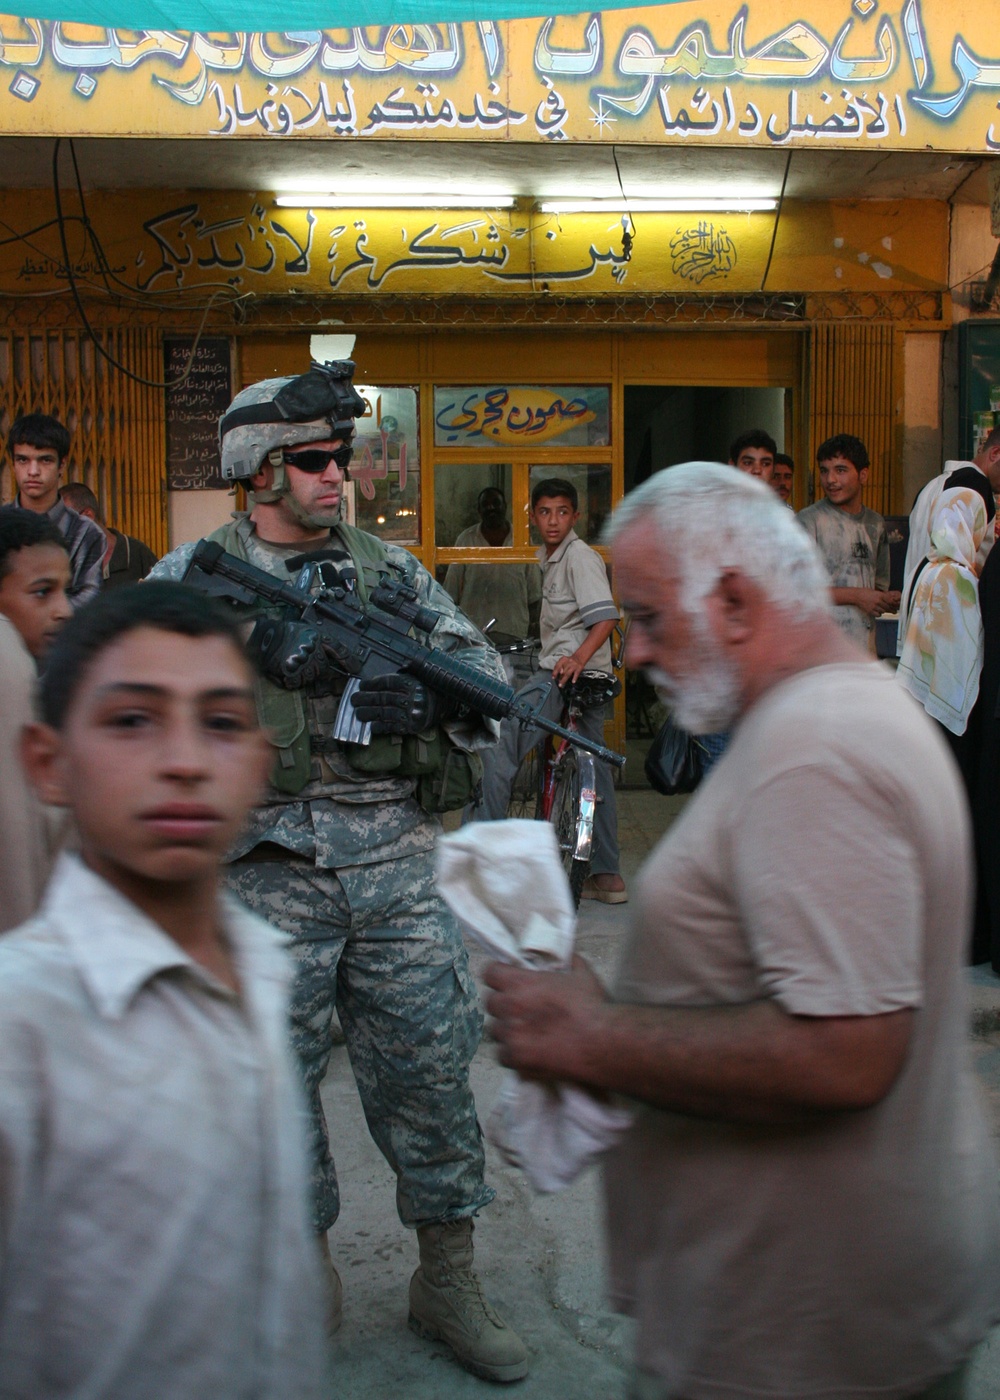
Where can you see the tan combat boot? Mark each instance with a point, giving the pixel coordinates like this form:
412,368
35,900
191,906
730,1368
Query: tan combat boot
334,1288
447,1305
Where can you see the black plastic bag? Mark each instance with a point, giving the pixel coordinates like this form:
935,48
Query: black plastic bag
673,764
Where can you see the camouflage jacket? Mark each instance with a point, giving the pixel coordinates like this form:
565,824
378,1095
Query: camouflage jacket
343,817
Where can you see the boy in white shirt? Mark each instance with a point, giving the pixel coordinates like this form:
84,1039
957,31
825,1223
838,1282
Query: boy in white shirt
153,1202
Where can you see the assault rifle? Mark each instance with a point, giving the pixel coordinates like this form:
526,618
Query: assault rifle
369,641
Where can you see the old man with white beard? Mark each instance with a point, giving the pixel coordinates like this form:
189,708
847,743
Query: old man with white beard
806,1204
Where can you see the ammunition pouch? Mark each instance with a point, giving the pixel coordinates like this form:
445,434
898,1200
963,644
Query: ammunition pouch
447,777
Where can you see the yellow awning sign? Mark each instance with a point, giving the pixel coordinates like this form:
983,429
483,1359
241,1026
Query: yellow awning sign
158,243
902,74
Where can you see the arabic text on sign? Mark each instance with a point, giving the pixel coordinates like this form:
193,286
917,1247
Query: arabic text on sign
518,413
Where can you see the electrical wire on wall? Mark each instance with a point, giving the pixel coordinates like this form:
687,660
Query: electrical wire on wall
628,228
106,273
777,220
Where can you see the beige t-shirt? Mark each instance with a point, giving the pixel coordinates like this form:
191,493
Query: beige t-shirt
824,862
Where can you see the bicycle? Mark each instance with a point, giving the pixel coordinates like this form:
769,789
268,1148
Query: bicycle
556,781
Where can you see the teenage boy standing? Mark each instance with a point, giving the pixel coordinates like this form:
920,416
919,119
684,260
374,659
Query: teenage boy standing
38,446
577,619
126,559
851,538
156,1235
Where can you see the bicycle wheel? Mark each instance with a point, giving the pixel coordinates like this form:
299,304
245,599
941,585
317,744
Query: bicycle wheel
525,789
573,803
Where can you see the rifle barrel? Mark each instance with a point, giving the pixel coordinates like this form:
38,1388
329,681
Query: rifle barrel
437,669
579,740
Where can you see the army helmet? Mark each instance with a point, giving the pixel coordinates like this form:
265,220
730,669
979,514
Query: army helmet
273,413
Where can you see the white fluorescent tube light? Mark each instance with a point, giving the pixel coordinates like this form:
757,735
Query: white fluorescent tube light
371,199
705,204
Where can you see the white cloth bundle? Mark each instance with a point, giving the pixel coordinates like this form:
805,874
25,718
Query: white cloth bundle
505,882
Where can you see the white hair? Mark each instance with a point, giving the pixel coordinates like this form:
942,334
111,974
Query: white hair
710,518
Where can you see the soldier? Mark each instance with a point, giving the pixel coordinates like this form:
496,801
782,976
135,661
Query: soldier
341,854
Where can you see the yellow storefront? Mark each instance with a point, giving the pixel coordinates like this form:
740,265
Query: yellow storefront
822,177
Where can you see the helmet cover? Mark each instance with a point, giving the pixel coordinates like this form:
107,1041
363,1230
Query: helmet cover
288,412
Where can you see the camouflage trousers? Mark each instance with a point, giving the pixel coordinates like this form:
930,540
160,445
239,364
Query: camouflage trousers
377,943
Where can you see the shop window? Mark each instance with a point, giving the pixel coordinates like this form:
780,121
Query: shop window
593,488
520,415
457,489
385,471
502,599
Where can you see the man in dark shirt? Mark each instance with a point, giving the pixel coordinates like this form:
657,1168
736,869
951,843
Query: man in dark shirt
126,559
38,446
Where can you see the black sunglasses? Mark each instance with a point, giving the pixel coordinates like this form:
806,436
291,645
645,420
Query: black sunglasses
317,459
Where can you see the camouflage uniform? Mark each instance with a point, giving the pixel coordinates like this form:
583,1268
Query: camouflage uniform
346,868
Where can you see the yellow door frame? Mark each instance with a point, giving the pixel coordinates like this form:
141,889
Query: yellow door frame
756,356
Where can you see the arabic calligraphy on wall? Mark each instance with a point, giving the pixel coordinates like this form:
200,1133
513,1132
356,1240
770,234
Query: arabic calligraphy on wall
893,73
166,240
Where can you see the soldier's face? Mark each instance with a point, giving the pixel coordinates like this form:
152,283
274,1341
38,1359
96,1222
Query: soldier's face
318,494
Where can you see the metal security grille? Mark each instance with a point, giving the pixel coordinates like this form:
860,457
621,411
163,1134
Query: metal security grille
854,391
118,442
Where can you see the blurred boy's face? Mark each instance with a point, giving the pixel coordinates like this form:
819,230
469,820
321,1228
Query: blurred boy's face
842,483
160,758
554,517
33,594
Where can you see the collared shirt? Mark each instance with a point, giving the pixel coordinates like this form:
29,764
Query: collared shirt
503,592
86,545
575,595
154,1228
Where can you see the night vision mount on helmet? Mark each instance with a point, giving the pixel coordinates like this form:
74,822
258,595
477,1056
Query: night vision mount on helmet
279,413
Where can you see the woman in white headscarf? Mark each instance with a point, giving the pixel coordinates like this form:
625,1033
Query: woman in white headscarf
942,654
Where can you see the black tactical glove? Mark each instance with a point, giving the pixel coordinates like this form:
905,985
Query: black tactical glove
290,653
399,704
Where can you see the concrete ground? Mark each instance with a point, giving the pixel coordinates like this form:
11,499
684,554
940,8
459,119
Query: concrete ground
540,1257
